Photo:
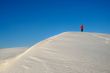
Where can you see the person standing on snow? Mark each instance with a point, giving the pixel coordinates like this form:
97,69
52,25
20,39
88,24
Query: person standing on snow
81,27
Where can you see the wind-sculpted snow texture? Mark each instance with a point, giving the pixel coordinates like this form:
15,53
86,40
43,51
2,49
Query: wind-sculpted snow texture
68,52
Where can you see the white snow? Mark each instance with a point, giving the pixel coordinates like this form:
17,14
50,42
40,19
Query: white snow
68,52
7,53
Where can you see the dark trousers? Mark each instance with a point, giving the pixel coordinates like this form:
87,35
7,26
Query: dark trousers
81,30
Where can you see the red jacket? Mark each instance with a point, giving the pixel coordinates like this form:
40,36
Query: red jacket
81,27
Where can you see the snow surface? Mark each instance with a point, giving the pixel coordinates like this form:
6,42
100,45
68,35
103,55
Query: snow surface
7,53
68,52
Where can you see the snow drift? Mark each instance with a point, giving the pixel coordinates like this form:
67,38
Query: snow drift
69,52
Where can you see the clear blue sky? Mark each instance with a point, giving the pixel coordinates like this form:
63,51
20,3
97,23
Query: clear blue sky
26,22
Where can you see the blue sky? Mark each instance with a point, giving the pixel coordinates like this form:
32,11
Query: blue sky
26,22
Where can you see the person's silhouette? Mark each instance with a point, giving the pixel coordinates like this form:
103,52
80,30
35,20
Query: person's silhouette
81,28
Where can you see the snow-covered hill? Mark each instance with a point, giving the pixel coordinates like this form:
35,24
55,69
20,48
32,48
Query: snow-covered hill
68,52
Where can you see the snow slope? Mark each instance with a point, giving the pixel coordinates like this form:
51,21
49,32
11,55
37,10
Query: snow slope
68,52
7,53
